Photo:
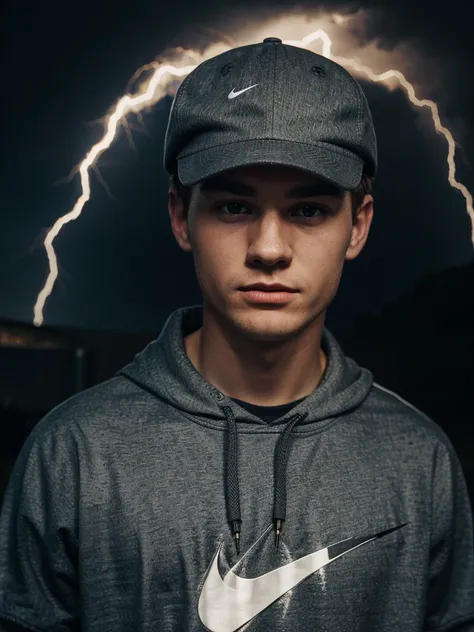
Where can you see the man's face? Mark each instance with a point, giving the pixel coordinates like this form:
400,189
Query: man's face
257,224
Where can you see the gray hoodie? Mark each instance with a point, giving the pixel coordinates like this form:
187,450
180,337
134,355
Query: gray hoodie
120,511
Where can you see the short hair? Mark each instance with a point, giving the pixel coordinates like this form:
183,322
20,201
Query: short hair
357,195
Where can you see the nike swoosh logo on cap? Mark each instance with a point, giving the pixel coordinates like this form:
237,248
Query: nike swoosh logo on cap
233,94
228,603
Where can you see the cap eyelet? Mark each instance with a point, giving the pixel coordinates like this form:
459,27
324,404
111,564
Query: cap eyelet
317,70
226,69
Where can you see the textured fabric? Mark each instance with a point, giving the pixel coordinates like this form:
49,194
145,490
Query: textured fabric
270,103
115,517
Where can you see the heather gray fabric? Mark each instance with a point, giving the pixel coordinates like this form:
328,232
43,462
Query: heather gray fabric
295,108
116,516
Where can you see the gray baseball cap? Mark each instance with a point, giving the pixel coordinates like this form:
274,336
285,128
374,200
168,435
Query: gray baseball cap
270,104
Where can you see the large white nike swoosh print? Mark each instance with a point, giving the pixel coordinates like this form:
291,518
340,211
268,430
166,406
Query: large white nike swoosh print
228,603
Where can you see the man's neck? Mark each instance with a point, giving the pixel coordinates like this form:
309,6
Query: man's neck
265,375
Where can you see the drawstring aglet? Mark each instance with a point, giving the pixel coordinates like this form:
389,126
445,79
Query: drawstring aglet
236,529
237,541
278,527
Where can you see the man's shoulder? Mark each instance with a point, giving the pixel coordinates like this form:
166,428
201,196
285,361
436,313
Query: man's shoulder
109,401
394,415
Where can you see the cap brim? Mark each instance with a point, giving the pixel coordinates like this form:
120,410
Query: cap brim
335,164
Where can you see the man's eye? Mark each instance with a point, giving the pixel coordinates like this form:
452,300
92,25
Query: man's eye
310,211
233,208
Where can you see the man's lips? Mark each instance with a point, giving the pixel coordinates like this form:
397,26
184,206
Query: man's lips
271,294
270,287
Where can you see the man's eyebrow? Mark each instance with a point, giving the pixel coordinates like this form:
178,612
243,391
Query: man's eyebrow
227,185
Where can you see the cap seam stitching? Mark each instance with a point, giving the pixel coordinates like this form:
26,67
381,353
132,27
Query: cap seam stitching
361,126
273,91
330,147
179,98
360,122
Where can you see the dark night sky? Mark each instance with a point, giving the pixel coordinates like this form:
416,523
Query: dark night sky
64,65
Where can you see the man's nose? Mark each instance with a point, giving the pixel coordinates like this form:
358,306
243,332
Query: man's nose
269,242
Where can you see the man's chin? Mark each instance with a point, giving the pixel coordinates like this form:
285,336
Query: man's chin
267,326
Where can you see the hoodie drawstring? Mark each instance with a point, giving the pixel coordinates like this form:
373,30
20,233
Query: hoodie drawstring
233,492
280,467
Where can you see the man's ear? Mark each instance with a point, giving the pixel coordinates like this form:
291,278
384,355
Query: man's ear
360,228
179,219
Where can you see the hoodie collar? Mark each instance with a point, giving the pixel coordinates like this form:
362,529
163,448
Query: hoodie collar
164,369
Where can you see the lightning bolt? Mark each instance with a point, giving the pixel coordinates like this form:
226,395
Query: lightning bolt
153,92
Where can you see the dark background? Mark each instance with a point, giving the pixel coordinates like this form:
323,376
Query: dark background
405,306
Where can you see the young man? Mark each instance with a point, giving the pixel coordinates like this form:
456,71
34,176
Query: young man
242,473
